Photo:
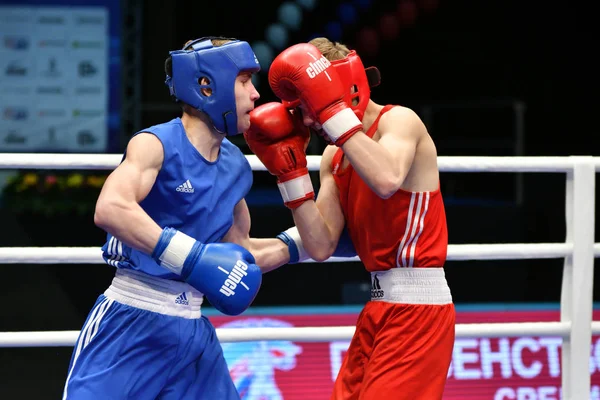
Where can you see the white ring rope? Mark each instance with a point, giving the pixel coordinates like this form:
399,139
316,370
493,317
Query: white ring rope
578,252
308,334
456,252
447,164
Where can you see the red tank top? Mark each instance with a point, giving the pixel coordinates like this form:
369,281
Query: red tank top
406,230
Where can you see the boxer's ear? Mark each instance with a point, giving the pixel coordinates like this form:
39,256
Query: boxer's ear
373,76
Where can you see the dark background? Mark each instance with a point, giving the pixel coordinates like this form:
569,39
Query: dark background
462,65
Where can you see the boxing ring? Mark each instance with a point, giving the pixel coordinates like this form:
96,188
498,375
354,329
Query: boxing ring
578,251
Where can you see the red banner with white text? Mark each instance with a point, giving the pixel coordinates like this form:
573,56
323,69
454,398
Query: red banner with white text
520,368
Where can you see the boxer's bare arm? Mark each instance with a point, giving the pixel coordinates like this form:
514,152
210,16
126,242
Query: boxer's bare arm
117,210
320,223
269,253
384,165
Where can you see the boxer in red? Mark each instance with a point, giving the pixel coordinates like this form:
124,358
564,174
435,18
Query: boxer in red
380,180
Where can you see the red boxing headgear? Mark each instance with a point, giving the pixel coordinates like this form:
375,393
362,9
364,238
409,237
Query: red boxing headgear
358,81
352,72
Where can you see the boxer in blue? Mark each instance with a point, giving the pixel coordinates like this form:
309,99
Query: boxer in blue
177,230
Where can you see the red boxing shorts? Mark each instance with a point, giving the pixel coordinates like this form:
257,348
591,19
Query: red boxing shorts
402,347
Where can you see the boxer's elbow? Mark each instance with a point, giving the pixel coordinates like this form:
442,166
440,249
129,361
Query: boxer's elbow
385,189
109,214
320,247
320,257
320,252
103,215
387,185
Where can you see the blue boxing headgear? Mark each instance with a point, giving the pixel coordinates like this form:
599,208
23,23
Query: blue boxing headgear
221,65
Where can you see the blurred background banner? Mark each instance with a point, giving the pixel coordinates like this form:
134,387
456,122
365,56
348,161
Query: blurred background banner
59,76
482,368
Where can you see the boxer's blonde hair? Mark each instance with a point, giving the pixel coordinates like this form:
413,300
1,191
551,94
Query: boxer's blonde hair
331,50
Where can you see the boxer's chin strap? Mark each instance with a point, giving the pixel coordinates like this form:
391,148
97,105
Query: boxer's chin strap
291,237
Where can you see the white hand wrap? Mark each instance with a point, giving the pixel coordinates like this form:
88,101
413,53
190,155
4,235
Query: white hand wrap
296,188
177,250
291,237
341,123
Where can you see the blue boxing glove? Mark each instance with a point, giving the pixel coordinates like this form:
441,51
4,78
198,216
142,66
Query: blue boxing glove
225,272
292,238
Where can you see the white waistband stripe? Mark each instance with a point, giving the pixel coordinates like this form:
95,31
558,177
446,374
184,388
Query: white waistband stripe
411,286
159,295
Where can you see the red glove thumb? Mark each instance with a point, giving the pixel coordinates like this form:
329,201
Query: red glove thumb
273,119
286,69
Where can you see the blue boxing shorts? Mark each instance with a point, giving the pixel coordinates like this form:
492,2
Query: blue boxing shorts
146,339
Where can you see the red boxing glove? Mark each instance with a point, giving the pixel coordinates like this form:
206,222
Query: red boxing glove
301,71
279,140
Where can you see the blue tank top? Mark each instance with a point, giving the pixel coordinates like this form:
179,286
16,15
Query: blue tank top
190,194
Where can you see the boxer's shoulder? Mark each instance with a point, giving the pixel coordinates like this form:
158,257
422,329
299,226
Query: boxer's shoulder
400,114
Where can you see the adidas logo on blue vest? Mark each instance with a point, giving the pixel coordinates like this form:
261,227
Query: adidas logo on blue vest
185,187
182,299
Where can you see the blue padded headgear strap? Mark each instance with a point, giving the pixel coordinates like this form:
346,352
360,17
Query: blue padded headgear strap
221,65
